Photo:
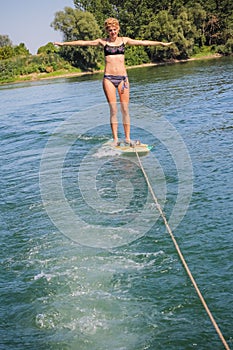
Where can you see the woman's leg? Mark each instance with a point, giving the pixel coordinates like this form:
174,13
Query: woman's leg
124,100
110,93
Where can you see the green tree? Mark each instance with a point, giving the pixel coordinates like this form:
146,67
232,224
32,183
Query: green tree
101,9
21,50
222,7
227,33
197,16
78,25
6,52
5,41
47,49
161,28
134,16
212,30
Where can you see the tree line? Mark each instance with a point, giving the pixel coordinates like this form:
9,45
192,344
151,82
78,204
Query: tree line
193,26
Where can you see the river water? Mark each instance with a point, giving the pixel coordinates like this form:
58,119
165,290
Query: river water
86,261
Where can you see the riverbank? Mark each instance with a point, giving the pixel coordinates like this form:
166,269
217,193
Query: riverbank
49,76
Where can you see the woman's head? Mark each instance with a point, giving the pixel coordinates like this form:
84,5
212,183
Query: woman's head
111,23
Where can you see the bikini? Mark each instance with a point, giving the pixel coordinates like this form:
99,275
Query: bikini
110,50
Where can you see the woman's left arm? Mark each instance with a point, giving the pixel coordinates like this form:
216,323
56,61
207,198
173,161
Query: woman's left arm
132,42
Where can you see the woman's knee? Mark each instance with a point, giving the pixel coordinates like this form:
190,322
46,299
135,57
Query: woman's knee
125,113
124,108
113,112
113,108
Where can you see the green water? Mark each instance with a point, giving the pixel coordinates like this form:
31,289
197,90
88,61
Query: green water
66,281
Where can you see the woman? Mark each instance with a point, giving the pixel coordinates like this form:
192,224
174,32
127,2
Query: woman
115,76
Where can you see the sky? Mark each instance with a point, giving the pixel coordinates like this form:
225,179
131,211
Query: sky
28,21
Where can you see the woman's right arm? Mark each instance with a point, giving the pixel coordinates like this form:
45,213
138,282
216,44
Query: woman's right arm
95,42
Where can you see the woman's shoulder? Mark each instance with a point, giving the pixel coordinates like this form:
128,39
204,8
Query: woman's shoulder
126,39
101,41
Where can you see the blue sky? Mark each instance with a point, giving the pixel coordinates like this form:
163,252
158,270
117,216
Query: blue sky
28,21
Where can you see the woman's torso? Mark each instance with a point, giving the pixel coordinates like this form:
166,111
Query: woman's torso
114,57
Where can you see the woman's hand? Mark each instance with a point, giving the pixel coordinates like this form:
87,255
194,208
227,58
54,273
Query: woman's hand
58,44
168,44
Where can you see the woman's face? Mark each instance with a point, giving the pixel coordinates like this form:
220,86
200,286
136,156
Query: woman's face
113,32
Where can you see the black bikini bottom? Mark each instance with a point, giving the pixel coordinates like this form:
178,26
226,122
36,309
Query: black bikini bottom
117,79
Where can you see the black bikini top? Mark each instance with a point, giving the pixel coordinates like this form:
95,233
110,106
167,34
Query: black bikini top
114,50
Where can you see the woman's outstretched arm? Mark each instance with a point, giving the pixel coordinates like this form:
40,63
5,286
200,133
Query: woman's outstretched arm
132,42
95,42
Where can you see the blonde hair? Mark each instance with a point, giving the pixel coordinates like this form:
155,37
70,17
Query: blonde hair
111,22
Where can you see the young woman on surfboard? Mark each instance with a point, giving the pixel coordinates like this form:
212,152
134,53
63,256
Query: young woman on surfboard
115,75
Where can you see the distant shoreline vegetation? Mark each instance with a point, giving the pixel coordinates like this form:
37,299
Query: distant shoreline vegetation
198,29
66,71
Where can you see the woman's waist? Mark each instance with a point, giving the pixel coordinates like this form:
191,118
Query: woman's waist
115,70
117,76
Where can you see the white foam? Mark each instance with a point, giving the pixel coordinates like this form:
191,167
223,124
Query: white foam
106,151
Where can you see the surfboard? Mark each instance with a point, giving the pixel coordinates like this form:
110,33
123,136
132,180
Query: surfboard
141,149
